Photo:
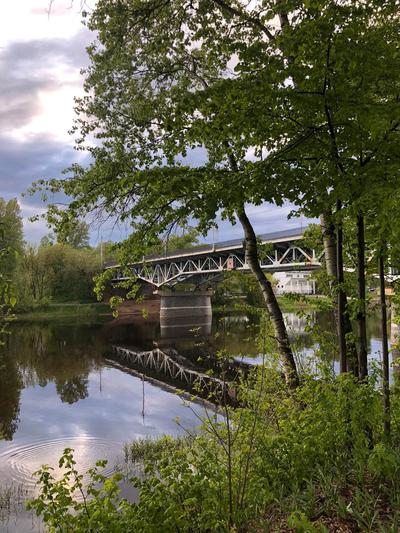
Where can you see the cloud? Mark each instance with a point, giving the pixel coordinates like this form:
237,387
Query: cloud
39,78
31,68
25,161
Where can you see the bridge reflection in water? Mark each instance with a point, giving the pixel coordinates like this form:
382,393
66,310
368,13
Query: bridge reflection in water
188,336
185,322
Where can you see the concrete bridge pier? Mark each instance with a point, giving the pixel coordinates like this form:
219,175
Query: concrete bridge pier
185,314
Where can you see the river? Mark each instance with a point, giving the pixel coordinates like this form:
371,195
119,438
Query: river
60,388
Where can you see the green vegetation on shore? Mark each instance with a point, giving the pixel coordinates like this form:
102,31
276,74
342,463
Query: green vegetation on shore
313,461
68,309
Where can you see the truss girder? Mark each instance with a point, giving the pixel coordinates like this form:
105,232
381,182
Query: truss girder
170,272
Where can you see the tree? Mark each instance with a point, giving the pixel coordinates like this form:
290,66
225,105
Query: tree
56,273
167,94
74,233
339,121
11,235
234,79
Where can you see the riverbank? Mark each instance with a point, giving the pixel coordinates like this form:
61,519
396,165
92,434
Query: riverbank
287,304
72,384
65,310
150,307
285,463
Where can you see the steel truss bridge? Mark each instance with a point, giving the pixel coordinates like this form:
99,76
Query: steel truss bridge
206,263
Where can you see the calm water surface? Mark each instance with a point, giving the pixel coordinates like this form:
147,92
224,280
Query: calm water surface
58,388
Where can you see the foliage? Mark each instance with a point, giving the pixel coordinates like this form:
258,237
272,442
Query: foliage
7,299
56,273
148,450
318,453
11,236
162,81
238,284
57,499
189,238
75,233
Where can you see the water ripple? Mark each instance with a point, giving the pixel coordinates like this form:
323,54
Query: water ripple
19,462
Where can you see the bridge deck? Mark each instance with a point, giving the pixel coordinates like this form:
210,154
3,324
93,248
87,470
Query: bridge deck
274,237
204,263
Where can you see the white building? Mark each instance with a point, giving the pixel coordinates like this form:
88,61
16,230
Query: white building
298,282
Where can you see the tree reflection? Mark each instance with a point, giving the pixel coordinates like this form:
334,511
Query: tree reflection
63,354
10,393
73,389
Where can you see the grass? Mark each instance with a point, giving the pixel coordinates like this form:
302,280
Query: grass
286,303
310,302
65,310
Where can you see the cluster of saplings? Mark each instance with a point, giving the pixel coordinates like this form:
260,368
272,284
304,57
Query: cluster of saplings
200,108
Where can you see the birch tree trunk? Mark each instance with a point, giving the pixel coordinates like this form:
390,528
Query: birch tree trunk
275,313
329,240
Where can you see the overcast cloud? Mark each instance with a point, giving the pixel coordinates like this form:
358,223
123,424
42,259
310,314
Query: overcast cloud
40,62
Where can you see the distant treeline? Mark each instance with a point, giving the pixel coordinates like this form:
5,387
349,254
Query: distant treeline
60,269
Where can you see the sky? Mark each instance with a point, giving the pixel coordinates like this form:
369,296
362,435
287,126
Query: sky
41,56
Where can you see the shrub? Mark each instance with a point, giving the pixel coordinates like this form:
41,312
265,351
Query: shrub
307,453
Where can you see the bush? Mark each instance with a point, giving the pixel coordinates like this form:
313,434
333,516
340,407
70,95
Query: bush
315,452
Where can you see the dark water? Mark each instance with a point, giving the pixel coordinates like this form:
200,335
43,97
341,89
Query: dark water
58,388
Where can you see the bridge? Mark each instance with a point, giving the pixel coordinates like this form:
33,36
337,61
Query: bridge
205,263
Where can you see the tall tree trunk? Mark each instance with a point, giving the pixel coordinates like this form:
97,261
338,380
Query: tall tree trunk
341,296
275,313
330,251
329,240
385,347
361,316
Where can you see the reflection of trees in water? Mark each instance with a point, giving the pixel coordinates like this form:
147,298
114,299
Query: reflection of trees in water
73,389
38,353
236,333
50,352
312,333
10,392
239,334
